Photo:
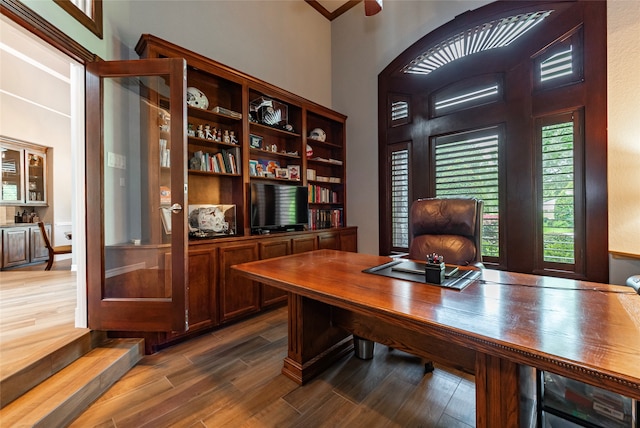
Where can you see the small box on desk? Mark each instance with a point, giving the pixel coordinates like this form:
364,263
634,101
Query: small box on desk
434,273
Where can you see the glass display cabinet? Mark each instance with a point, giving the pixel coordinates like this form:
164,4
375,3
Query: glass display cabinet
12,170
24,173
36,191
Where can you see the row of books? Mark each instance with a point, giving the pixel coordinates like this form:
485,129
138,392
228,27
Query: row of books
311,175
322,195
224,161
324,219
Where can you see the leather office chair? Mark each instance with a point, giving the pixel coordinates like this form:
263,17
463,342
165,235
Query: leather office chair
53,251
449,227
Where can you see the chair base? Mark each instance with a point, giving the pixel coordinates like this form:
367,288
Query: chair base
363,348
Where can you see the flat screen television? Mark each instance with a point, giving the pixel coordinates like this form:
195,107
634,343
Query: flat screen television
278,208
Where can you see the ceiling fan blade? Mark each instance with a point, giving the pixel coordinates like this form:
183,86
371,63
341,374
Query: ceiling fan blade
371,7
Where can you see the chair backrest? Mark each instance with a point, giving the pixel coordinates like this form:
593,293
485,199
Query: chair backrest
450,227
45,237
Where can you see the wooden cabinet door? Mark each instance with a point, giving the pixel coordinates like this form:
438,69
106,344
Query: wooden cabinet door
15,246
39,251
203,306
303,244
238,296
137,247
329,241
349,240
282,247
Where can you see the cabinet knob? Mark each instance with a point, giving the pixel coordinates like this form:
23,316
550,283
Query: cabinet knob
176,208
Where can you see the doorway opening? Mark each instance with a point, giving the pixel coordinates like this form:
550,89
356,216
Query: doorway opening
42,99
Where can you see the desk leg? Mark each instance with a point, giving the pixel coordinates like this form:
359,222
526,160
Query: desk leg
497,392
314,343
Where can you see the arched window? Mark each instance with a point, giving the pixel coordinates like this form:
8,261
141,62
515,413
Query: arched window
506,103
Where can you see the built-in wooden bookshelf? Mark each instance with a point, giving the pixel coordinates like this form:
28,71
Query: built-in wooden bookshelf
251,130
238,131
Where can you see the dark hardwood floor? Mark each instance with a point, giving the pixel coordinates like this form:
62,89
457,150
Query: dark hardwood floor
231,378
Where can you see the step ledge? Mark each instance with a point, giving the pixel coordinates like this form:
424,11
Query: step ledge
34,369
62,397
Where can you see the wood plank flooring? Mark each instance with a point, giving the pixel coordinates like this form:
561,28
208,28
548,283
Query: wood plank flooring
37,312
231,378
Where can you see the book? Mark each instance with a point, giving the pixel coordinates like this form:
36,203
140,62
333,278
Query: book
225,111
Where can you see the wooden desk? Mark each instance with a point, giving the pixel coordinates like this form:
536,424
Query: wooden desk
585,331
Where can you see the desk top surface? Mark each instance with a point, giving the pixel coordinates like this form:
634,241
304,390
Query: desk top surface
567,326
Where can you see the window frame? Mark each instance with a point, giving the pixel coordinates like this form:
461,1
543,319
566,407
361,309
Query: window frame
499,131
92,23
523,103
391,149
544,267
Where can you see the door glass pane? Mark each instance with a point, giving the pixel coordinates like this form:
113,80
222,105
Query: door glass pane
137,188
11,174
35,178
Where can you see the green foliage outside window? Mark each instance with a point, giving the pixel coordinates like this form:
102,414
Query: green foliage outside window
558,213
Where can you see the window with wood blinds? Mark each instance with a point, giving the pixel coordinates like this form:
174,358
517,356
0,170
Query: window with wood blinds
489,35
400,199
509,106
561,63
399,113
462,95
467,165
560,190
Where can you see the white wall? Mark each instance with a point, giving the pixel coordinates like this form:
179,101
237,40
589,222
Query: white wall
362,47
623,60
286,43
35,106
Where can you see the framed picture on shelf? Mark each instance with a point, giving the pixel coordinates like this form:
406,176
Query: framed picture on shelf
294,172
269,167
253,168
165,214
282,173
255,141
